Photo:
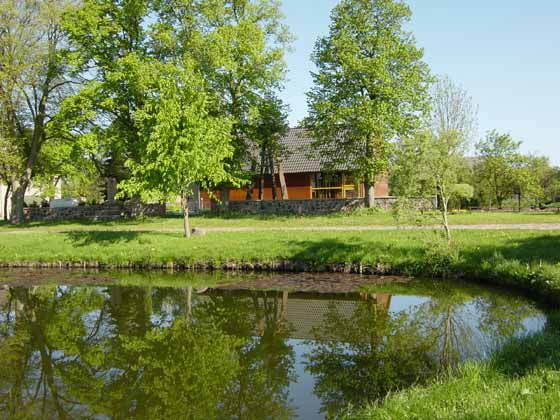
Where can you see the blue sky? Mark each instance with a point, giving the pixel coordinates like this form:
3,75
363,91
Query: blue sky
506,54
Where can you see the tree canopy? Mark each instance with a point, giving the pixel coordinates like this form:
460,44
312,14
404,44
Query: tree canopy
182,144
370,86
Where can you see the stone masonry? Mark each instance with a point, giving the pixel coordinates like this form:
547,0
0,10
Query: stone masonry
100,212
305,206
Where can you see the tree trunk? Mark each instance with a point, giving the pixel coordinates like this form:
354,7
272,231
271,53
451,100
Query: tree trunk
20,186
111,184
18,200
369,193
283,185
5,202
262,171
185,206
225,198
249,196
261,184
445,219
499,202
273,175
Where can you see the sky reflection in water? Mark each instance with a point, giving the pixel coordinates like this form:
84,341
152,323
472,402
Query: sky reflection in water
206,353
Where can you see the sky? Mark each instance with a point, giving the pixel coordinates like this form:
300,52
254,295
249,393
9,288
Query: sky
506,54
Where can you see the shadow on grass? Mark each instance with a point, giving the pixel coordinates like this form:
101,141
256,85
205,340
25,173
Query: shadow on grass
85,223
85,238
537,351
355,250
541,248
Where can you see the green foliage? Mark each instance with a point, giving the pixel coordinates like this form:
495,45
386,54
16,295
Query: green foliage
503,173
182,144
238,46
431,162
267,124
551,184
109,41
33,82
462,191
235,47
371,85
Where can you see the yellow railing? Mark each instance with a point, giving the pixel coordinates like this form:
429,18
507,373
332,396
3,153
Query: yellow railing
342,189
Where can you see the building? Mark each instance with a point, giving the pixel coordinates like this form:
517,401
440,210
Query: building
4,207
33,195
307,176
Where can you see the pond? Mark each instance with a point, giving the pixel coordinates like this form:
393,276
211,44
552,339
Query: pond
77,345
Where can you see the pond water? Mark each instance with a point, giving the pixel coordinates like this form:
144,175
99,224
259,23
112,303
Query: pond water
273,347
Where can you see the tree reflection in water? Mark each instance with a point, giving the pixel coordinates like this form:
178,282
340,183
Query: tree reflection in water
363,355
140,352
131,352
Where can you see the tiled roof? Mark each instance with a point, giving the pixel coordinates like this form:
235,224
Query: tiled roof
299,155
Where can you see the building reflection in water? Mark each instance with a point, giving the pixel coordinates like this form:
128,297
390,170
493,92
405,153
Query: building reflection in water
150,352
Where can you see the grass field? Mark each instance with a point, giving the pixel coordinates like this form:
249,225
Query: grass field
362,218
525,259
522,381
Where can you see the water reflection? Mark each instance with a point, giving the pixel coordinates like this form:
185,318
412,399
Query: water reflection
198,353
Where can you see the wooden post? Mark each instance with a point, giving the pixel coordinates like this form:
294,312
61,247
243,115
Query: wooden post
310,177
273,175
283,185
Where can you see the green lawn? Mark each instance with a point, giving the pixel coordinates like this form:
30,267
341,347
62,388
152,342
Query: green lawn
525,259
362,218
522,381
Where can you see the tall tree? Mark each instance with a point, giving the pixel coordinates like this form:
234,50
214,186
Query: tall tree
238,45
432,161
33,81
268,123
181,143
528,179
427,166
551,184
498,158
110,44
371,85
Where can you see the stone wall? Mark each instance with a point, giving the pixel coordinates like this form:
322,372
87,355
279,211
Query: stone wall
101,212
305,206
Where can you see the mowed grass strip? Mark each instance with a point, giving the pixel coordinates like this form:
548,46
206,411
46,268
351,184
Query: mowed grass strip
521,381
360,218
525,259
320,247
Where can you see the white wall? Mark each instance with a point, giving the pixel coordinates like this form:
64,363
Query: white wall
31,192
3,189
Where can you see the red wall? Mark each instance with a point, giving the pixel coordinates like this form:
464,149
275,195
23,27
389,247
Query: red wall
299,188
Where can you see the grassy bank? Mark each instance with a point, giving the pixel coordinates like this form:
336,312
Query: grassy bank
521,382
527,260
361,218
